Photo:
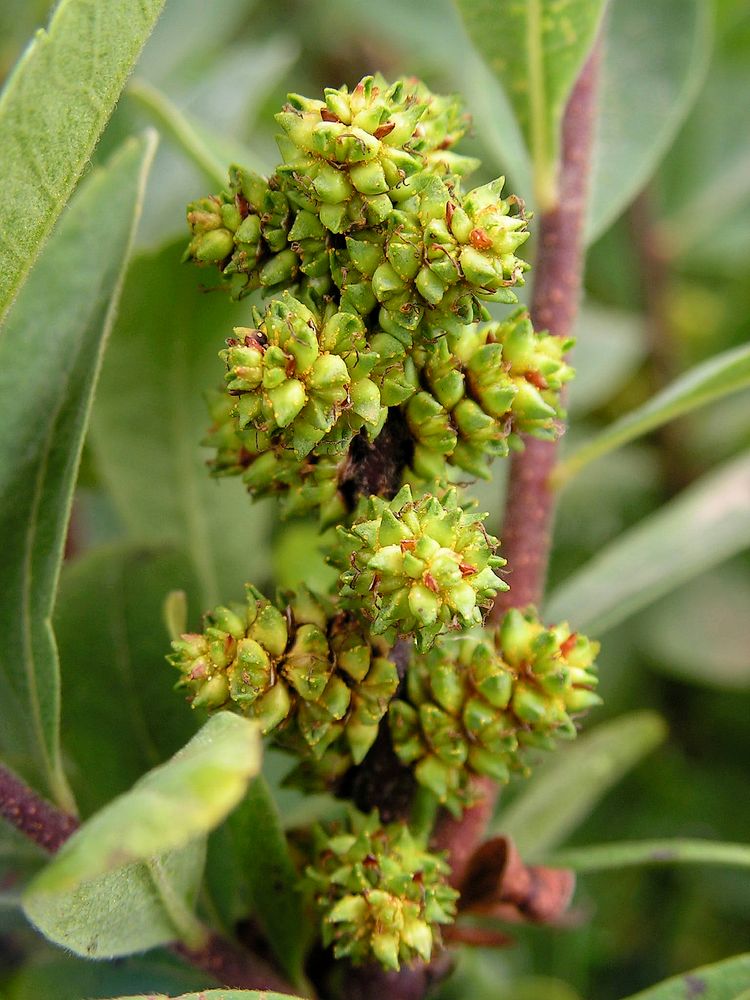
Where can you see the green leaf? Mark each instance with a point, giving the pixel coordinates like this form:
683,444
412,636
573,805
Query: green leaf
704,525
722,981
218,995
52,111
50,355
603,857
121,715
263,855
719,376
562,792
127,879
135,907
536,48
149,419
645,92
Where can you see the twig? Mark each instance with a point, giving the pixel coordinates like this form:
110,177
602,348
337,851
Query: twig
49,827
530,503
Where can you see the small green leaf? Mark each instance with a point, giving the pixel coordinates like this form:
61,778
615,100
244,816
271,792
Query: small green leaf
144,851
706,524
603,857
562,792
166,809
722,981
536,48
149,419
646,90
52,111
130,909
263,855
120,715
50,354
719,376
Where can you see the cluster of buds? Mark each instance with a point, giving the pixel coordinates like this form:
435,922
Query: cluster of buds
476,704
379,263
380,894
308,673
417,567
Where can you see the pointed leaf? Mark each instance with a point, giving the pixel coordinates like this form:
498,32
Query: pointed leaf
52,111
719,376
725,980
706,524
144,851
149,419
137,906
120,715
561,793
50,355
536,48
603,857
646,90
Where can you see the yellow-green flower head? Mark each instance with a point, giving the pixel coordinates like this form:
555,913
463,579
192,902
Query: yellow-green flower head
380,895
417,567
346,157
475,704
309,674
268,468
295,375
251,233
535,364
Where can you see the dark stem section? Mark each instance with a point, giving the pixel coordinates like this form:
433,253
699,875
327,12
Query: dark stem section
376,467
49,827
34,816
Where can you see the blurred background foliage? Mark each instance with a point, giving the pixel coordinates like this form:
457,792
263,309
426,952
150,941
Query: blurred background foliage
666,287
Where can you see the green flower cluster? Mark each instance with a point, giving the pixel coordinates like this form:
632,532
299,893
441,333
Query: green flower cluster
417,567
476,704
310,674
380,894
378,262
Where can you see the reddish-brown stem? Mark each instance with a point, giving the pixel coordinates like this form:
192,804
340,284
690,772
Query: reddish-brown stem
34,816
530,502
49,827
557,287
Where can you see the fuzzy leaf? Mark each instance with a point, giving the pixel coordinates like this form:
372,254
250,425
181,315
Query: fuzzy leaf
563,791
50,355
536,48
144,851
149,418
725,980
704,525
137,906
718,377
52,111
